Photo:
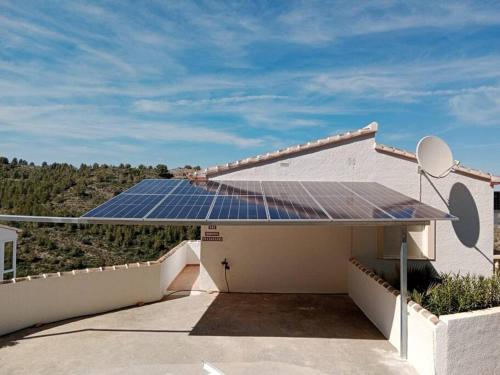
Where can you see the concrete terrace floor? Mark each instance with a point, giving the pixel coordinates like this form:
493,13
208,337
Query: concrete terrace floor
238,333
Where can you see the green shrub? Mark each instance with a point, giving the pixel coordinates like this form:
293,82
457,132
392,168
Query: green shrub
444,294
456,293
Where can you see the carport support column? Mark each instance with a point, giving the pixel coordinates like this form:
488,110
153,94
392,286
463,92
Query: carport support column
403,285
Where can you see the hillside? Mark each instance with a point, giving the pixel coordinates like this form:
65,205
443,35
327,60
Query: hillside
65,190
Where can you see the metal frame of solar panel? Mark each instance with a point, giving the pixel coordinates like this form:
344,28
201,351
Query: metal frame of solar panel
184,201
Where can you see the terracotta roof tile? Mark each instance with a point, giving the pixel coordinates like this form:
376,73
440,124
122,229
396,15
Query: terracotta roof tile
332,140
460,169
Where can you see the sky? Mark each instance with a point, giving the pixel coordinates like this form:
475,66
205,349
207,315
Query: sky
204,83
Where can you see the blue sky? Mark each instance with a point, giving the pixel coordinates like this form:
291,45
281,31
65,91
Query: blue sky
203,83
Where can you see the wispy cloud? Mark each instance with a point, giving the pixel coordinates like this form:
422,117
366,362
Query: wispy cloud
219,77
480,108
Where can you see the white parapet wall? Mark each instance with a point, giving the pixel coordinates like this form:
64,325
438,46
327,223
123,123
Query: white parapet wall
473,342
28,301
172,263
466,343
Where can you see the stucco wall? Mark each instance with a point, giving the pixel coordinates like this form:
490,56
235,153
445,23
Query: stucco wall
465,246
284,259
60,297
172,263
473,342
7,234
381,304
33,300
466,343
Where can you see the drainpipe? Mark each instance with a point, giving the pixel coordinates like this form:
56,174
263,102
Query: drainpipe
403,285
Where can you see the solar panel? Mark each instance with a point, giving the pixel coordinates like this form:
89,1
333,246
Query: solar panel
395,204
290,201
194,207
126,206
263,201
239,207
240,188
186,187
343,204
153,187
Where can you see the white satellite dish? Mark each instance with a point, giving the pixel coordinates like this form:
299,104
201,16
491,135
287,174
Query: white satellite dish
435,157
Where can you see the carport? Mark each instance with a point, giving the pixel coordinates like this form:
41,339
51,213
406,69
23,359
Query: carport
268,203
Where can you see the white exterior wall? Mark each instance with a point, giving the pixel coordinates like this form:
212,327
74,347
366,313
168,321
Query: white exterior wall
277,259
68,295
187,252
358,160
466,343
41,300
7,234
473,342
382,307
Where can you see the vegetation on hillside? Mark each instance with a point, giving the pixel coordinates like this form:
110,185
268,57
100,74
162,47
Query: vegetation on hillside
65,190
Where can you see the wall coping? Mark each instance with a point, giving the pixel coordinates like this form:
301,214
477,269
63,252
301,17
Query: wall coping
43,276
418,309
471,314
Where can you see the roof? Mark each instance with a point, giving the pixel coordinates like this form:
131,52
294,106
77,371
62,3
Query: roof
368,130
289,151
461,169
10,228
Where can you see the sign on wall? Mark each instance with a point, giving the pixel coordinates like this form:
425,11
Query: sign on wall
212,234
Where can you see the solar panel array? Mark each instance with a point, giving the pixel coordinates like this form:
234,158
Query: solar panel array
254,201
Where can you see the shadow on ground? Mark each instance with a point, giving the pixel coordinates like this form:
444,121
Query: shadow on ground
285,315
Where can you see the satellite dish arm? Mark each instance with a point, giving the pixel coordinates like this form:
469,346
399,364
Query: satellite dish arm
447,172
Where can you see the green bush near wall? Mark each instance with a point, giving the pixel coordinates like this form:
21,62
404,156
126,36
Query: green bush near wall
444,294
452,294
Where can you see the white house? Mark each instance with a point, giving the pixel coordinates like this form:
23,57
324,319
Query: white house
323,254
313,258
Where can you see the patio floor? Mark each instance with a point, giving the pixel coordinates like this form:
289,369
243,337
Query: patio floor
238,333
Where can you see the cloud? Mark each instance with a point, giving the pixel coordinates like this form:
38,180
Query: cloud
480,108
320,22
160,106
241,75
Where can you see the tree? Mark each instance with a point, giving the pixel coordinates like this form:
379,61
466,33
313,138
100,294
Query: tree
163,171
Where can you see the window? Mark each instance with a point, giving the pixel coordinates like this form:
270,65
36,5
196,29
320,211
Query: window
421,241
8,260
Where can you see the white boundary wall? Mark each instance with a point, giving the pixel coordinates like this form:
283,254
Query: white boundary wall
466,343
473,342
52,297
172,263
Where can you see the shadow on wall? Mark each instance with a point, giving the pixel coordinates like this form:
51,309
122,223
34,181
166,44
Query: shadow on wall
463,206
